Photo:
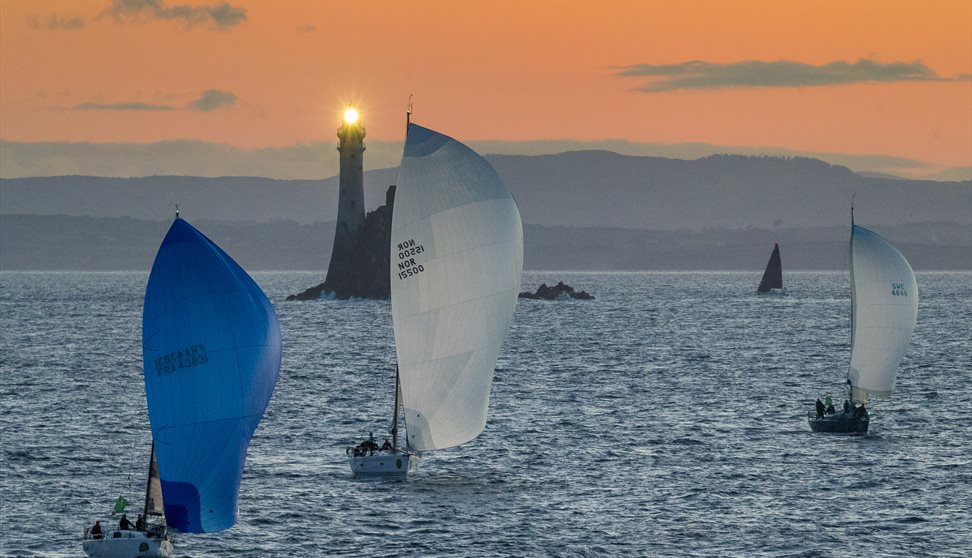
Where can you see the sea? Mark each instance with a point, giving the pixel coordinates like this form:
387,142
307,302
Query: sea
667,417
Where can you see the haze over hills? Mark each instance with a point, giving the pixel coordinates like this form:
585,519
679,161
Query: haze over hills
59,242
581,210
235,198
574,189
315,159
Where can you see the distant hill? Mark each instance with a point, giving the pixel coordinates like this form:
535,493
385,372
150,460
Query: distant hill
574,189
236,198
60,242
57,242
582,210
599,188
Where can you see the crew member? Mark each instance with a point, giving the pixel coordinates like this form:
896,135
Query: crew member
124,524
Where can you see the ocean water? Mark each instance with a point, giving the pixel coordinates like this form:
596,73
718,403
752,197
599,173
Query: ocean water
667,417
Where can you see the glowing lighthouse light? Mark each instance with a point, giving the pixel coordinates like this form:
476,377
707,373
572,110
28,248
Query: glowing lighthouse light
350,115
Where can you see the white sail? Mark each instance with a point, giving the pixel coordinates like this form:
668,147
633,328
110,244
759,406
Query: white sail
456,258
885,308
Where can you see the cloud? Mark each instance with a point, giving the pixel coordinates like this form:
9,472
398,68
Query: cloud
123,106
213,99
55,22
307,29
698,74
220,15
208,101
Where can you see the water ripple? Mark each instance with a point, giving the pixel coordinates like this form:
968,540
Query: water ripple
665,418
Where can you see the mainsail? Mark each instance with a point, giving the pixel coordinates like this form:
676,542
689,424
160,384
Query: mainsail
885,308
773,276
211,352
456,259
153,488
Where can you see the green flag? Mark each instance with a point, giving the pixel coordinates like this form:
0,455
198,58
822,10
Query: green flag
120,504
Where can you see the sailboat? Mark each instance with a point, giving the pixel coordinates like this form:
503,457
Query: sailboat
456,259
884,309
772,282
150,540
211,358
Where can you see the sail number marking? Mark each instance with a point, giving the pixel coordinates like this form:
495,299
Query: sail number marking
898,289
192,355
406,263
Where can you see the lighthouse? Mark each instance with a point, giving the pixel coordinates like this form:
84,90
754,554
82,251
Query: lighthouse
351,209
359,259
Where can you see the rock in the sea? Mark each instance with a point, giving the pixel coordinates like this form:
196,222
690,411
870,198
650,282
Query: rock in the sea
560,291
365,273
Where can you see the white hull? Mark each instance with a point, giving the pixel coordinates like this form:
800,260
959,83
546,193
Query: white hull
384,465
127,544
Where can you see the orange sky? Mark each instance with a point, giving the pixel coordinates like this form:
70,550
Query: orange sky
501,70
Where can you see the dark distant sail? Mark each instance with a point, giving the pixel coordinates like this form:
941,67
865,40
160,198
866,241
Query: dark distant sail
773,276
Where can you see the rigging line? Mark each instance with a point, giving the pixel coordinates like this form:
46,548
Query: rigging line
389,349
134,363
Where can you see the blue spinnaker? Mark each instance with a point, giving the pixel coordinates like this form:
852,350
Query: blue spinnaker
211,353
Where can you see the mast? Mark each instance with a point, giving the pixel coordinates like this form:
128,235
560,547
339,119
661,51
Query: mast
850,266
394,429
408,113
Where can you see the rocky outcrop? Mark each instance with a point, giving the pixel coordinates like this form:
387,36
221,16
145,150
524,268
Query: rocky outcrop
560,291
364,272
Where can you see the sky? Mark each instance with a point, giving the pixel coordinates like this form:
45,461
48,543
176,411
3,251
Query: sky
865,81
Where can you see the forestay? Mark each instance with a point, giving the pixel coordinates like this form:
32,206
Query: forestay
885,308
456,258
211,350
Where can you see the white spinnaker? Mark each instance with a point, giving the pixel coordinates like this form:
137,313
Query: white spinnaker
885,308
456,259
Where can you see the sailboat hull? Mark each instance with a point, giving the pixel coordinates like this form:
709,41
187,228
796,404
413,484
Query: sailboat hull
843,423
127,544
384,465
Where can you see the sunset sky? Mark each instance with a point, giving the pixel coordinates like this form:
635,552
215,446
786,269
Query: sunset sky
840,77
